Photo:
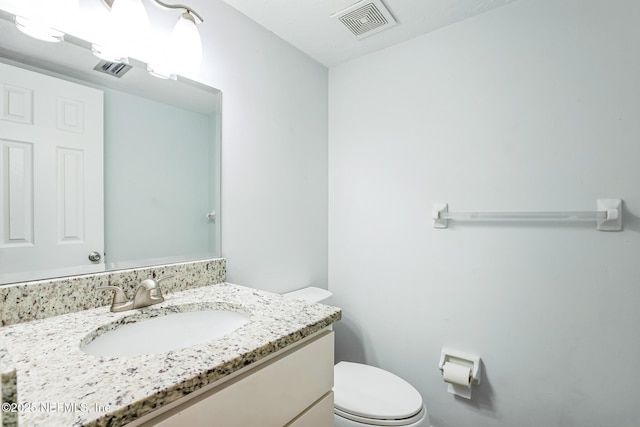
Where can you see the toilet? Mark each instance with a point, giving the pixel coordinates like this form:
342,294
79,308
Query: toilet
366,396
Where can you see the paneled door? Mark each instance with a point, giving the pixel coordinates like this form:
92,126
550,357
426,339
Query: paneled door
51,174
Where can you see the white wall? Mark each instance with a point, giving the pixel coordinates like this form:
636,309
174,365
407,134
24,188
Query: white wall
274,152
533,106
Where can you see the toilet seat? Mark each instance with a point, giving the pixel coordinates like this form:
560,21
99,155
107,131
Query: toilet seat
382,423
371,395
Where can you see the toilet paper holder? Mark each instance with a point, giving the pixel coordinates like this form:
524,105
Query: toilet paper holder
471,361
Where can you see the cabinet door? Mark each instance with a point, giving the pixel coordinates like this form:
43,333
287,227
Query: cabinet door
271,395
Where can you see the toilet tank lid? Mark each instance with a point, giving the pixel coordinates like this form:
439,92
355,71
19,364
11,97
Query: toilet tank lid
310,294
370,392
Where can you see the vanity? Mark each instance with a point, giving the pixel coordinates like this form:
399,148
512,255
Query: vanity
276,369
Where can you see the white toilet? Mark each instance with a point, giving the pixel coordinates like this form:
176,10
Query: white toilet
366,396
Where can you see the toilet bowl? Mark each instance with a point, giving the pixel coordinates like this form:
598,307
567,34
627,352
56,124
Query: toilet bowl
365,395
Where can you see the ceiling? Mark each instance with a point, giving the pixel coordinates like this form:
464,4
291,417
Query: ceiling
309,26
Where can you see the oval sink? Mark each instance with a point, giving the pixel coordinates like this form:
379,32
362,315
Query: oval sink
171,331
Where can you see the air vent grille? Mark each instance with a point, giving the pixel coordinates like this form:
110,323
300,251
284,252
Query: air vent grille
115,69
366,18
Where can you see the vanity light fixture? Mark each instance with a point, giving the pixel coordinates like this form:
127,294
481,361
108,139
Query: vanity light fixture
184,50
127,33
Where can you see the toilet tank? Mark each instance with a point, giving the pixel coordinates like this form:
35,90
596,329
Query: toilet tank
309,294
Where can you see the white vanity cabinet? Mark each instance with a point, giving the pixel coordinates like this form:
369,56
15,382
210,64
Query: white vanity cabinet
292,388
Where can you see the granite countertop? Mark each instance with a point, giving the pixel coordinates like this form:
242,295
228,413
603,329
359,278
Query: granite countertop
59,385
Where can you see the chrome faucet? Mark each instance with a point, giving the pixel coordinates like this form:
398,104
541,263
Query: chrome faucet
148,293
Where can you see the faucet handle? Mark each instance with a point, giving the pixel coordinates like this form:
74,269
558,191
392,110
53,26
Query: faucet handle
119,295
120,301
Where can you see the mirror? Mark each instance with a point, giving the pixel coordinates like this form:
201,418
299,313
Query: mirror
161,162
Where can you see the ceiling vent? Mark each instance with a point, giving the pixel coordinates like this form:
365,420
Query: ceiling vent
366,17
115,69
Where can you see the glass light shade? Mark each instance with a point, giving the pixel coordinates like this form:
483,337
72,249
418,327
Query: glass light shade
185,45
129,29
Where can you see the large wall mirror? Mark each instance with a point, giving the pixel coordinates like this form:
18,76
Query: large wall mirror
147,194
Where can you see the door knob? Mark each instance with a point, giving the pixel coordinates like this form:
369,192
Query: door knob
95,256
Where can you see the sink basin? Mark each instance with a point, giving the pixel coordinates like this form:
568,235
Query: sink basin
166,332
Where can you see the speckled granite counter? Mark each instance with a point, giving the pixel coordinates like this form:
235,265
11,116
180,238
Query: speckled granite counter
59,385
